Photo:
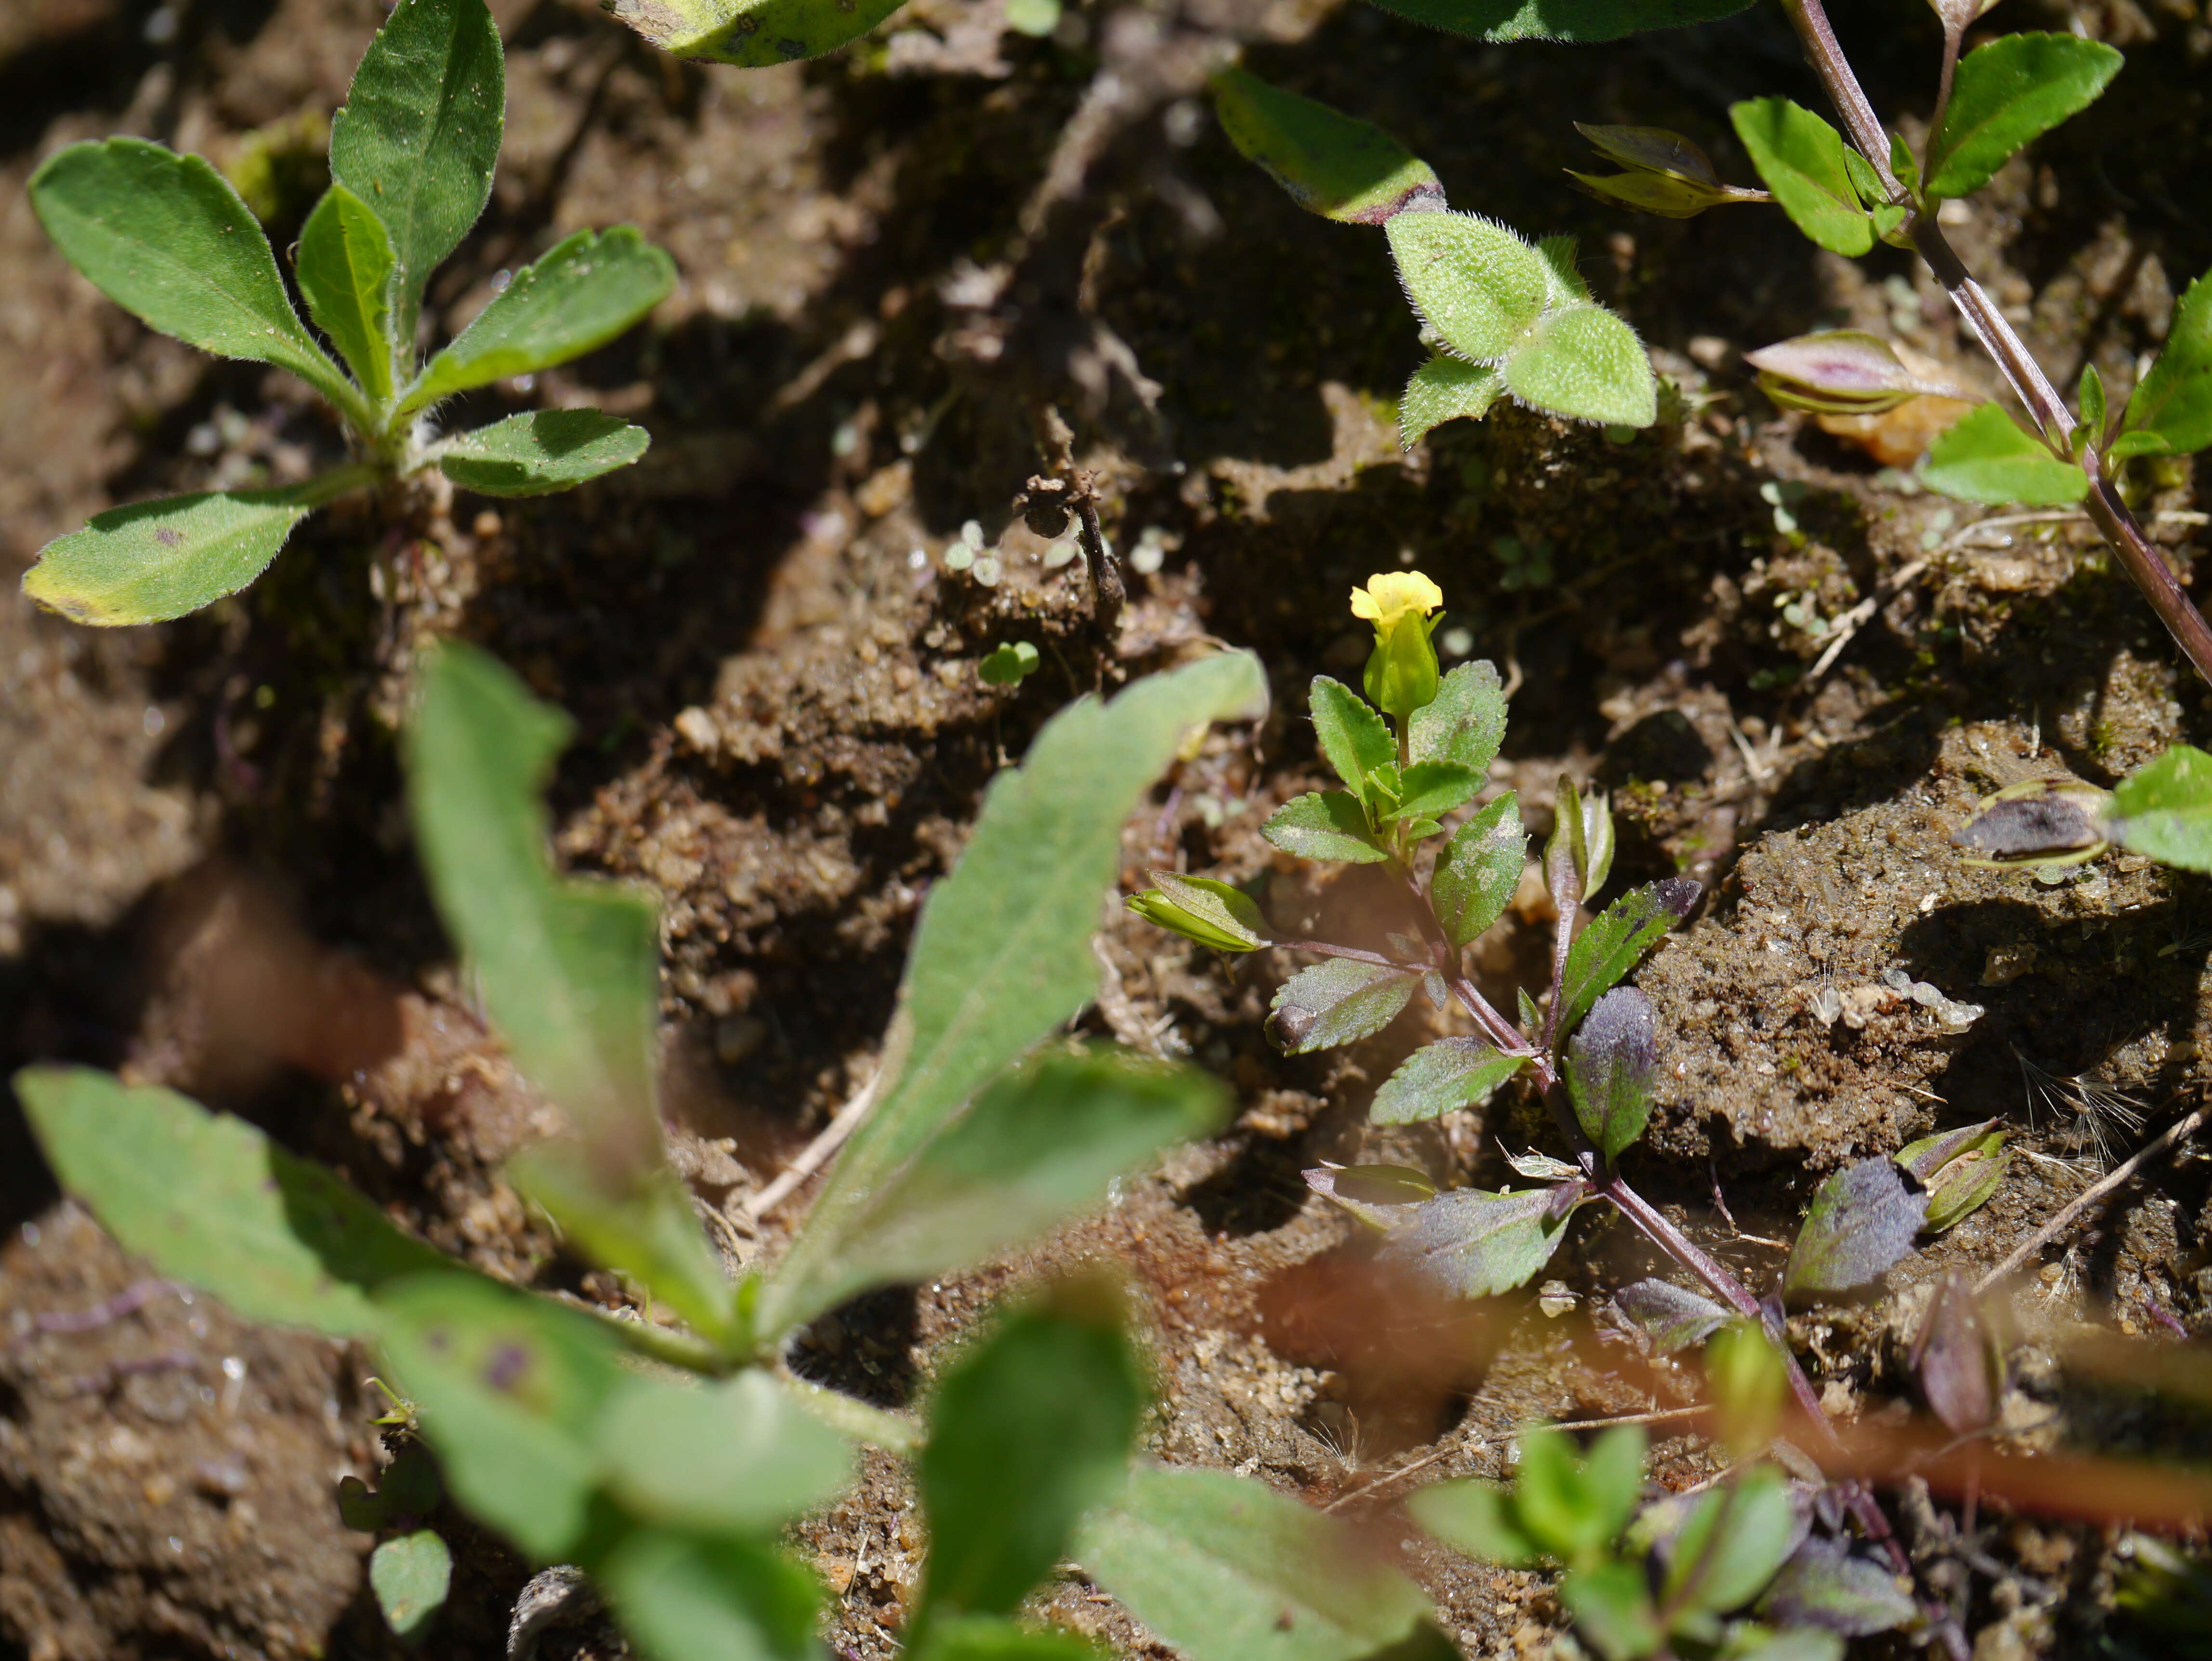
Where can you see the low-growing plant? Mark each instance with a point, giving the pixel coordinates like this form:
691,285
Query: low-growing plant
412,158
2163,809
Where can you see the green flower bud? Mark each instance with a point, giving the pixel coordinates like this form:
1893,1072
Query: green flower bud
1199,909
1402,671
2056,821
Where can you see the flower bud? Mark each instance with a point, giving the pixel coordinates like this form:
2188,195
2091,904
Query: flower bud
1402,671
1199,909
2057,821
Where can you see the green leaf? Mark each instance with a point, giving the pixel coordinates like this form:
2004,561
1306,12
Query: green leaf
410,1576
1479,871
1323,824
344,267
2165,809
165,238
2091,397
1960,1170
543,451
752,35
1472,280
1825,1584
1477,1518
1564,287
511,1388
1736,1538
1430,787
740,1456
1748,1641
1611,1608
153,560
419,136
1337,1002
207,1199
1609,1067
2012,90
1470,1244
1561,20
1862,1221
1223,1569
1572,1508
1617,939
1352,736
2173,402
1212,913
586,291
1002,958
1030,1428
1745,1382
1588,365
1986,457
988,1637
1443,389
1334,164
1008,664
1671,1316
1802,159
1466,720
717,1598
1439,1077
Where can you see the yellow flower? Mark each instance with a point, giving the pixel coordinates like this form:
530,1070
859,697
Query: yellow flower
1402,672
1389,595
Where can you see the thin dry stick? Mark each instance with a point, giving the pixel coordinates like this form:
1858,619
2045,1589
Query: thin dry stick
815,1154
2088,1196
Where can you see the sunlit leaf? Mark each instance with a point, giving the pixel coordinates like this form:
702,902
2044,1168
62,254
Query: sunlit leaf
1214,914
2165,809
1825,1583
1588,365
1561,20
1324,825
712,1598
1802,159
344,268
2171,406
1442,1077
1465,722
1477,1518
1471,279
1351,735
1617,939
1609,1067
1861,1221
738,1455
1337,1002
1960,1169
1470,1244
1612,1608
156,560
1444,389
1840,372
1670,1316
1571,1506
542,451
410,1576
1732,1543
1986,457
751,33
2007,92
1332,164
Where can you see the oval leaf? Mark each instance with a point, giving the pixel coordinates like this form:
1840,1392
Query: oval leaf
1351,735
1470,1244
1334,164
1323,824
153,560
1337,1002
1471,279
735,1456
1670,1316
1986,457
545,450
2173,404
2004,94
410,1576
2165,810
1588,365
754,35
1609,1065
1862,1221
1803,162
1444,389
1479,871
1439,1077
1465,722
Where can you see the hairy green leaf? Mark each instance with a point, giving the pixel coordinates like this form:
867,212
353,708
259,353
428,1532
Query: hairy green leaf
2172,404
543,451
1466,720
1560,20
752,35
1439,1077
1471,279
418,137
1332,164
1827,1584
2007,92
1324,825
712,1598
738,1456
1609,1065
207,1199
1803,160
1351,735
410,1576
1986,457
1470,1244
1337,1002
580,296
1478,870
344,268
1444,389
156,560
1588,365
1430,787
1617,939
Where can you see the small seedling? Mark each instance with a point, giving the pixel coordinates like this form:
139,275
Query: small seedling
411,157
1008,665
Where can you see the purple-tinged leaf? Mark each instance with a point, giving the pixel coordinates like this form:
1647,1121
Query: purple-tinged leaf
1862,1219
1841,371
1337,1002
1452,1073
1332,164
1609,1068
1470,1244
1617,939
1960,1370
1671,1316
2051,821
1824,1585
1960,1170
1652,149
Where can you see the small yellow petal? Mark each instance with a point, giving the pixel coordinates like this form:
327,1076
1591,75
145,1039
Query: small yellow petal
1391,595
1363,606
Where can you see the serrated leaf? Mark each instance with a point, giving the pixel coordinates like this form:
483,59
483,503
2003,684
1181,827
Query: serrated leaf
2165,810
418,137
540,452
1337,1002
1671,1316
1732,1543
1323,824
1617,939
156,560
1861,1221
1609,1066
1588,365
1477,1518
1561,20
1429,788
739,1455
1225,1569
1479,871
2172,404
1824,1583
1612,1608
1440,1078
1444,389
1332,164
410,1576
1470,1244
344,268
716,1597
1466,720
580,295
1986,457
1030,1428
752,35
1352,736
165,238
2007,92
209,1200
1001,958
1802,160
1474,283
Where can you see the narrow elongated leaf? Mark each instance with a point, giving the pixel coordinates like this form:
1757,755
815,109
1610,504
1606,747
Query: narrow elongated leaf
1732,1544
1477,1518
1862,1221
207,1199
1469,1243
580,296
2007,92
1030,1429
344,268
1961,1366
1002,954
1337,1002
1960,1170
1441,1077
2173,404
156,560
740,1456
752,35
543,451
1617,939
1466,720
1478,870
418,137
1672,1317
1561,20
1352,736
1324,825
1214,914
1444,389
1609,1064
1225,1569
1588,365
1986,457
1826,1585
1332,164
1471,279
2165,810
165,238
410,1576
713,1597
1802,159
